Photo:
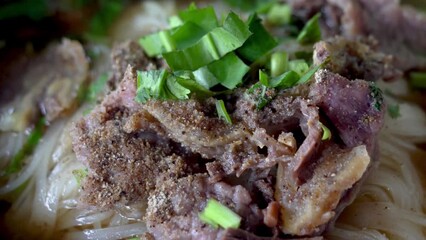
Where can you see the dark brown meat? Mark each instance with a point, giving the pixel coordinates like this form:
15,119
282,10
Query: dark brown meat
285,114
399,30
234,147
355,108
354,59
174,207
125,151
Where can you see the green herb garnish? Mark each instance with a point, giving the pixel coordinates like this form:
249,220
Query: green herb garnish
159,84
279,14
279,63
257,44
326,133
212,46
376,93
221,111
311,32
217,214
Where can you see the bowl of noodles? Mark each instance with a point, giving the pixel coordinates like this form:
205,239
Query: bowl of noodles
213,120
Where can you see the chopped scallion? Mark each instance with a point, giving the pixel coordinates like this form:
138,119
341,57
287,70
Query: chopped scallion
299,66
279,14
326,133
311,32
212,46
257,44
308,75
221,111
216,214
279,63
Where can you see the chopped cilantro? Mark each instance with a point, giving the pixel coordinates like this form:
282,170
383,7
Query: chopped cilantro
376,94
159,84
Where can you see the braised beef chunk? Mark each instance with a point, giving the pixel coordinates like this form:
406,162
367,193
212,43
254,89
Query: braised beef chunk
354,59
399,30
355,108
125,150
173,208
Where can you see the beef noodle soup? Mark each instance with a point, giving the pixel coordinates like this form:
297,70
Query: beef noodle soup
126,133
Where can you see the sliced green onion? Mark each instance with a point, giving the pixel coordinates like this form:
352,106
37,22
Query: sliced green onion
299,66
393,111
175,21
187,35
32,141
279,14
214,45
326,133
285,80
259,43
228,71
311,32
203,17
308,75
263,78
152,44
80,174
279,63
221,111
217,214
418,79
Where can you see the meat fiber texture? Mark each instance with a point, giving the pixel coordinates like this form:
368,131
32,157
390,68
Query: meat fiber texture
270,166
